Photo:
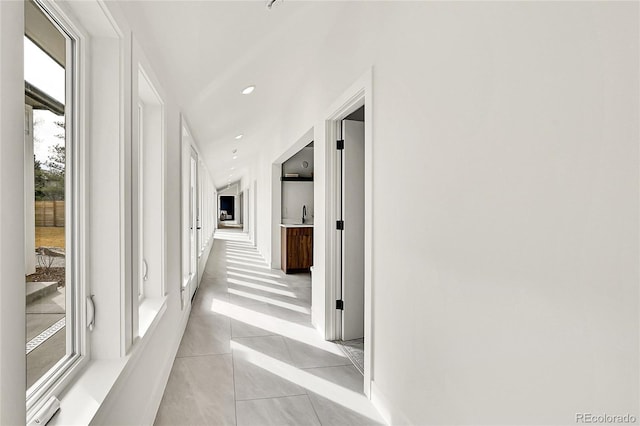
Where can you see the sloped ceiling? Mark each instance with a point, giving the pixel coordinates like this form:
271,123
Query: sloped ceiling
208,51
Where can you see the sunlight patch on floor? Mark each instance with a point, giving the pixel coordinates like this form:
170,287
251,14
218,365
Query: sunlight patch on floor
263,288
279,303
275,325
342,396
237,262
264,280
255,259
244,245
265,274
251,253
247,257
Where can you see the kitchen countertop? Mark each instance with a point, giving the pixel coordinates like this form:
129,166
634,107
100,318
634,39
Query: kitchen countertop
296,225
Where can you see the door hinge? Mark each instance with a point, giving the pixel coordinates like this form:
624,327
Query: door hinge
340,144
340,225
340,305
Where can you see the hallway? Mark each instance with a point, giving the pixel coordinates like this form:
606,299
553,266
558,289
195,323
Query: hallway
249,355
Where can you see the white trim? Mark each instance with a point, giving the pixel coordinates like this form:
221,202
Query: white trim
150,104
274,260
360,93
390,414
141,66
84,401
64,371
158,388
127,257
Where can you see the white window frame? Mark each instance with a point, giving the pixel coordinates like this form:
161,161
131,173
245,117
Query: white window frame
149,277
140,202
62,373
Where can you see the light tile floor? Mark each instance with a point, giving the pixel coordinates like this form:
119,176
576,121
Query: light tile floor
249,355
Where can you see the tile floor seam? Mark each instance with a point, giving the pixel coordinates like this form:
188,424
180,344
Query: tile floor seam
235,397
325,366
203,355
314,410
286,345
249,337
271,397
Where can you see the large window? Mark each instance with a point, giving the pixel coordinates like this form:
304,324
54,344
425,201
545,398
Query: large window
148,202
53,333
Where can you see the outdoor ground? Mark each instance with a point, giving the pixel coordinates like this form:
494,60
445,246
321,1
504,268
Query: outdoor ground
46,338
47,347
56,274
50,236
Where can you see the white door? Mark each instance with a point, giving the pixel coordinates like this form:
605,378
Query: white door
193,224
353,233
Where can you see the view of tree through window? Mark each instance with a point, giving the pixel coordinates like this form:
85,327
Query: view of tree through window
47,342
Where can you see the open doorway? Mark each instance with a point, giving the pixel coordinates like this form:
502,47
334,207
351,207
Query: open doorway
230,207
227,207
348,283
350,225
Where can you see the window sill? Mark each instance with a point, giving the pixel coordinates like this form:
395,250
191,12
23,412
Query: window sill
83,399
150,311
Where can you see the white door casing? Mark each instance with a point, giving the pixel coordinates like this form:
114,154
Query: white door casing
353,233
193,224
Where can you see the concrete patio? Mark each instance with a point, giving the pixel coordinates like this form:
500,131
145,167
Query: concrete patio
46,342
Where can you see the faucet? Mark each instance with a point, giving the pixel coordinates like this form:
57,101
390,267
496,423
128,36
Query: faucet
304,213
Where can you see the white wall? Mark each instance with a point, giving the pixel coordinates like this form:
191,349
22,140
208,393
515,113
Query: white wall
12,297
264,185
294,196
511,294
298,194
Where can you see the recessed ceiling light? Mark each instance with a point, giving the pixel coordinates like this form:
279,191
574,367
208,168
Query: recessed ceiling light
239,136
248,90
235,156
233,168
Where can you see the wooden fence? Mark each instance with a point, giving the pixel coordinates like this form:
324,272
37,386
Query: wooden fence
49,213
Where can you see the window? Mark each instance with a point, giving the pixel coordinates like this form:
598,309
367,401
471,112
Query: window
143,273
54,335
148,203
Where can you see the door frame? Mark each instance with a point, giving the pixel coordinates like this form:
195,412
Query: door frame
359,94
194,219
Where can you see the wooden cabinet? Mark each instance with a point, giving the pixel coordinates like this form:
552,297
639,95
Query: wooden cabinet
297,249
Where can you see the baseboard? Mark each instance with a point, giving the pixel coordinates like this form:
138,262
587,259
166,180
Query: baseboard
391,415
159,387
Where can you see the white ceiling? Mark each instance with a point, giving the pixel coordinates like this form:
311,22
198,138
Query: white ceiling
208,51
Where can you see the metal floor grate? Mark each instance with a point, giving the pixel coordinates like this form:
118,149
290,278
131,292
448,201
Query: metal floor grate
45,335
354,350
